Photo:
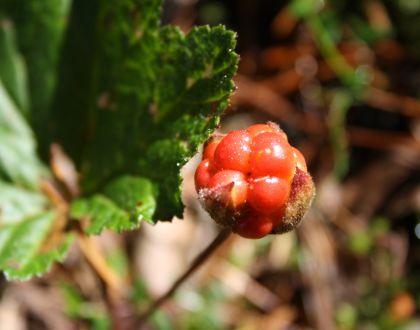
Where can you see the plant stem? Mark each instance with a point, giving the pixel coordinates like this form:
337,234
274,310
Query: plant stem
197,262
116,286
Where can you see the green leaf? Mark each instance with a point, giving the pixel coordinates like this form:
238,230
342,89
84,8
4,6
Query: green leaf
18,160
17,203
123,204
102,213
40,28
133,194
126,74
162,101
139,98
41,262
195,81
29,237
23,248
145,97
12,68
74,93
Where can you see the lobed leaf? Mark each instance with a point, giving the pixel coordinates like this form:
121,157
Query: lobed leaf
195,81
23,252
157,95
102,213
122,205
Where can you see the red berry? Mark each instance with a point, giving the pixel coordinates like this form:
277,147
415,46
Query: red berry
268,194
203,174
302,192
233,188
233,152
253,225
272,155
210,147
300,160
257,129
254,182
278,216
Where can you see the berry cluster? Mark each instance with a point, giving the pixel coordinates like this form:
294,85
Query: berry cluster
254,181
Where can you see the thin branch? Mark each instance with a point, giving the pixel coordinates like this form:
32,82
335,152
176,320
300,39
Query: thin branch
61,191
116,286
197,262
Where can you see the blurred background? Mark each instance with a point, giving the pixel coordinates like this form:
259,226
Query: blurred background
342,78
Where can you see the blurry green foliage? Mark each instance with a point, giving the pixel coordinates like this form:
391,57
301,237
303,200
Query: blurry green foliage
26,216
346,316
77,307
341,101
362,242
40,27
202,308
12,67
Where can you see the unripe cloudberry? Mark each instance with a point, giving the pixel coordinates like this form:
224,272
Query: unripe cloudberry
254,182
